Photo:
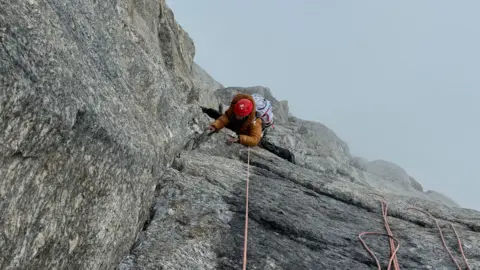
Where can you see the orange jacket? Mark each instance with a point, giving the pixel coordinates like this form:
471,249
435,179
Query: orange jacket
249,130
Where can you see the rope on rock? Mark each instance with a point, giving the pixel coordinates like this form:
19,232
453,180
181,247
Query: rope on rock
459,241
246,214
443,239
393,250
392,257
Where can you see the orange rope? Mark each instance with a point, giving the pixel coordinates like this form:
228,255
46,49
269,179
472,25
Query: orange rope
392,257
443,239
246,215
393,250
392,245
460,246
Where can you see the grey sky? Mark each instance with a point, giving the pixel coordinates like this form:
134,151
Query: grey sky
397,80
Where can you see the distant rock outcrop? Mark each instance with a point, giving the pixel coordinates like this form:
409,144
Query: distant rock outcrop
398,178
440,198
415,184
98,100
390,172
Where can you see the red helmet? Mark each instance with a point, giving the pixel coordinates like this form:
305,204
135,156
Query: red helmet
243,107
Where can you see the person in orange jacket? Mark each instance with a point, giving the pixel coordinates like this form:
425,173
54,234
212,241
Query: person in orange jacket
240,118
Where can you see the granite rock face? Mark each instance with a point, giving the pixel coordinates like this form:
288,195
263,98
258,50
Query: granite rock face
93,105
304,216
203,80
99,113
203,87
298,218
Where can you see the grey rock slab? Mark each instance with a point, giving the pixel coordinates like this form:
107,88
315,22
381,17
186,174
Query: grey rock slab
92,108
299,218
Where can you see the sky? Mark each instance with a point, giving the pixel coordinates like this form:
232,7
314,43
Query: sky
396,80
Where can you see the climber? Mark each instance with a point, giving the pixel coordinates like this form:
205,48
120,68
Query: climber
241,117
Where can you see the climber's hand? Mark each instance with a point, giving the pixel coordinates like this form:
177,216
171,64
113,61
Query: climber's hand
232,140
211,128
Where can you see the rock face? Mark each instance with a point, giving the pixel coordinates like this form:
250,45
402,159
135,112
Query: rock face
93,105
99,103
203,80
390,172
398,178
440,198
299,218
202,93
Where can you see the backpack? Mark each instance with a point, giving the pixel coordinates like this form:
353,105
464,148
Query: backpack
264,109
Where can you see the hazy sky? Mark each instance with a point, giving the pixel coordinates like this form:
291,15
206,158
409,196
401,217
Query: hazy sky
396,80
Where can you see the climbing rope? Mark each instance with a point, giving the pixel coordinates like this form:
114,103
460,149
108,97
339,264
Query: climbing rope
392,257
246,214
393,250
460,247
392,245
443,239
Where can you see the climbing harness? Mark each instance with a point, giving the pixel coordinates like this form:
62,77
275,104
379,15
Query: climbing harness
246,214
393,251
